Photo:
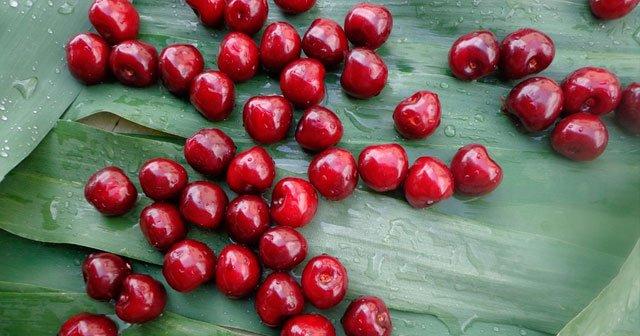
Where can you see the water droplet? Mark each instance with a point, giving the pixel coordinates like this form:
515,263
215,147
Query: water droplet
49,30
2,108
67,7
523,332
4,154
496,329
13,3
450,131
57,70
479,117
444,85
26,86
4,118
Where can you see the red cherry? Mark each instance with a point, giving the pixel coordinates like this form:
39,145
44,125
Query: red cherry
302,82
103,274
628,113
580,137
210,12
188,265
308,324
334,173
278,298
612,9
85,324
162,179
134,63
237,271
267,118
88,57
247,219
251,172
325,41
293,202
282,248
474,172
429,181
474,55
295,6
142,299
238,57
280,46
383,167
213,95
368,25
319,128
246,16
324,281
418,116
209,151
162,225
110,191
364,74
524,52
116,20
204,204
592,90
179,64
536,103
367,316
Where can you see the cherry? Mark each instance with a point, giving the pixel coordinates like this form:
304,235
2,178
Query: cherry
592,90
429,181
247,219
88,57
474,55
134,63
213,95
536,103
334,173
116,20
179,64
282,248
628,113
368,25
210,12
142,299
325,41
383,167
237,271
293,202
246,16
418,116
280,45
364,74
267,118
110,191
209,151
203,203
612,9
474,172
238,57
308,324
324,281
103,274
318,129
367,316
86,324
251,172
188,264
302,82
162,179
162,225
524,52
580,137
295,6
278,298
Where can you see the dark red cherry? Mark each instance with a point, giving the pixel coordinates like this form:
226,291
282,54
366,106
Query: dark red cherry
267,118
251,172
612,9
237,271
86,324
592,90
88,58
334,173
209,151
418,116
319,128
324,281
116,20
162,225
628,113
179,64
524,52
103,274
210,12
294,202
280,46
474,172
162,179
536,103
204,204
325,41
364,74
247,219
295,6
282,248
580,137
134,63
302,82
308,324
383,167
246,16
188,264
142,299
213,95
238,57
368,25
278,298
110,191
474,55
429,181
367,316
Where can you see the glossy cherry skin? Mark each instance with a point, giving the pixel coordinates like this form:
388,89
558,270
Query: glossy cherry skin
429,181
238,57
536,103
294,202
580,137
116,20
142,299
246,16
86,324
162,225
367,316
162,179
278,298
368,25
612,9
110,191
628,113
334,173
592,90
209,151
295,6
179,64
251,172
474,55
308,324
324,281
103,275
325,41
302,82
213,94
318,129
474,172
418,116
237,271
210,12
364,74
88,58
267,119
188,264
280,45
282,248
524,52
204,204
134,63
247,219
383,167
